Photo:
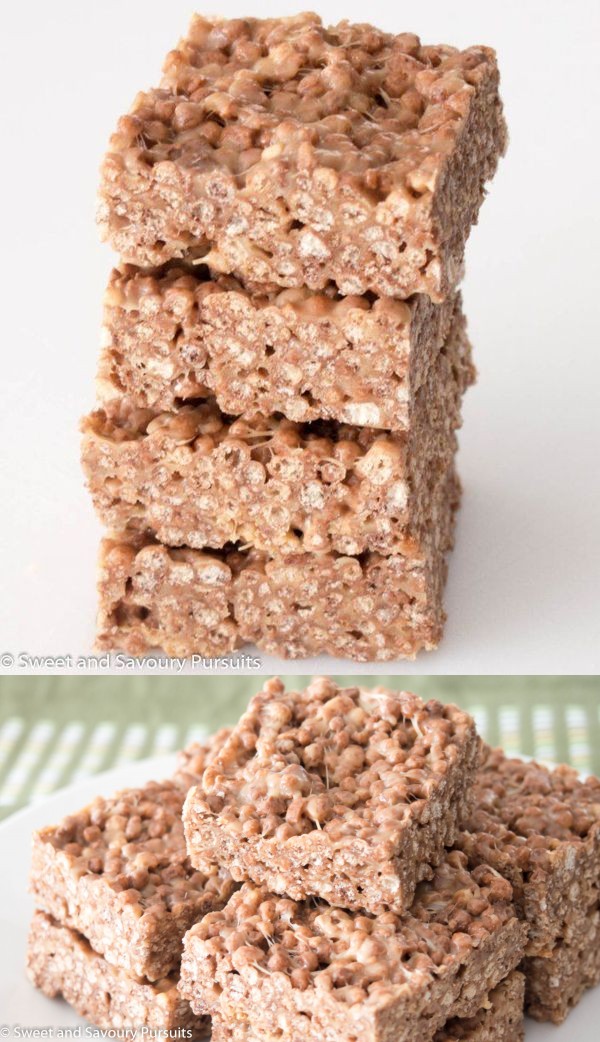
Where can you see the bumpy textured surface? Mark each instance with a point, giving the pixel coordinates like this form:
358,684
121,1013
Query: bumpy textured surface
499,1020
192,602
196,478
341,793
61,963
555,984
541,829
118,873
295,154
192,761
176,334
317,972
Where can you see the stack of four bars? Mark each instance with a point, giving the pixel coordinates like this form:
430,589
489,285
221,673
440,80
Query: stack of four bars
285,352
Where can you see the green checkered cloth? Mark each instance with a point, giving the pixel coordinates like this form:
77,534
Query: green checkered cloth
58,730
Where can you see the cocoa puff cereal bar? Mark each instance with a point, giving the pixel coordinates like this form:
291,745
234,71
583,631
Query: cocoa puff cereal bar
306,971
294,154
541,829
188,602
556,983
118,873
60,962
197,478
499,1020
346,794
175,334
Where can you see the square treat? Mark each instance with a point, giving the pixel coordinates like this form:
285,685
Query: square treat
541,829
306,971
499,1020
60,962
294,154
345,794
118,873
192,602
195,477
556,983
176,334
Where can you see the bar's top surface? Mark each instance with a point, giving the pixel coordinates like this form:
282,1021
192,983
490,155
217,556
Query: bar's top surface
134,842
374,106
356,765
353,958
545,807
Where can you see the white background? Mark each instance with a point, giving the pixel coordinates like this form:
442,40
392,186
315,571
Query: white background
524,579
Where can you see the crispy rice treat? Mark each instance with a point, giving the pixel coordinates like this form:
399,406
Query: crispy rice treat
118,873
60,962
541,829
197,478
210,603
499,1020
341,793
176,334
555,984
294,154
313,972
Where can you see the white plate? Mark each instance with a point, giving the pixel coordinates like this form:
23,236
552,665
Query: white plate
22,1005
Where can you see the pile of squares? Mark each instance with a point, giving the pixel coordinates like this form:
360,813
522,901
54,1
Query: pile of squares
342,865
285,350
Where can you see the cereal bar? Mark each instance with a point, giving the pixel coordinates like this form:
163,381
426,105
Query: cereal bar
193,602
541,829
499,1020
197,478
60,962
312,972
175,334
345,794
556,983
118,873
295,155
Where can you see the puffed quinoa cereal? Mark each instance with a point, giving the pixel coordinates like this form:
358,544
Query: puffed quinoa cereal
294,154
175,334
555,983
499,1020
197,478
367,608
541,829
118,873
306,970
342,793
60,962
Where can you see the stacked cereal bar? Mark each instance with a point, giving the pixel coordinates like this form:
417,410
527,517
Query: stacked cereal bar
115,893
336,809
285,357
541,829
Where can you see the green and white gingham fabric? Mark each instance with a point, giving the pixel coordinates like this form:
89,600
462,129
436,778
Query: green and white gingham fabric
57,730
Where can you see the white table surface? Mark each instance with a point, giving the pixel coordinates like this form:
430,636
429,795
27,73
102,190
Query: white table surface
524,579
